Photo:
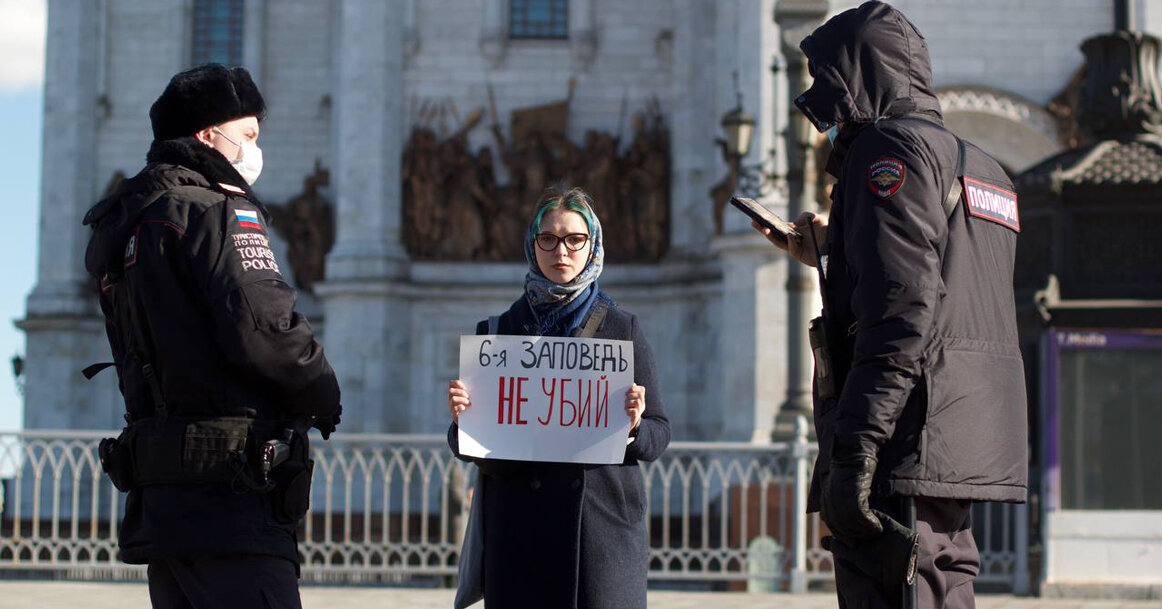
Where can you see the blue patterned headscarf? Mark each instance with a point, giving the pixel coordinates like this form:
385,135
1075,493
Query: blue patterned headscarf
559,308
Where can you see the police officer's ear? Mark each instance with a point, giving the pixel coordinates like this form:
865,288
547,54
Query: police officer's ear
204,136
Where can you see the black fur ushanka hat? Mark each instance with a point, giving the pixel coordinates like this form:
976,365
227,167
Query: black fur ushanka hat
200,97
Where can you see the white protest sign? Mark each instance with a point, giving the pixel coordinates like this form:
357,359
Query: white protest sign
545,398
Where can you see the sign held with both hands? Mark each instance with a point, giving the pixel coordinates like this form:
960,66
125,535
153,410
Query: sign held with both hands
545,398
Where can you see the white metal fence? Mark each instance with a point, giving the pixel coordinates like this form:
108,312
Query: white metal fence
393,508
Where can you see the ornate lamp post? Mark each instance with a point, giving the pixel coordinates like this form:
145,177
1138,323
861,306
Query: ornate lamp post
738,125
796,19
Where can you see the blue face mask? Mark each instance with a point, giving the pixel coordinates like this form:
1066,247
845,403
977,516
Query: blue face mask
833,133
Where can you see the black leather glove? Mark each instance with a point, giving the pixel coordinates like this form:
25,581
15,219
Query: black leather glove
326,425
888,559
846,492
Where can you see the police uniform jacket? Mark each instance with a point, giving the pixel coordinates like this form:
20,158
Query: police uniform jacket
920,308
570,535
187,240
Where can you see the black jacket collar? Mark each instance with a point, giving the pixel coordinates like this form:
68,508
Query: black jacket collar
192,154
850,133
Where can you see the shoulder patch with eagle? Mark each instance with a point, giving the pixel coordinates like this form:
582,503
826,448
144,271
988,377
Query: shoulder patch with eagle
885,176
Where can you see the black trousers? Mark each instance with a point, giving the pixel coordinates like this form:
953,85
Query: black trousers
945,570
250,581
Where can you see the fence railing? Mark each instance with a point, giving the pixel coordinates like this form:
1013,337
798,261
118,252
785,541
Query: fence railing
394,508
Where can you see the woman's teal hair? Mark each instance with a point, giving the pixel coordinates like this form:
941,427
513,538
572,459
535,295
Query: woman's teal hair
573,199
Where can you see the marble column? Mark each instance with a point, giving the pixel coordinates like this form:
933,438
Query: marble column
69,153
796,19
366,320
802,301
693,126
63,327
367,139
753,323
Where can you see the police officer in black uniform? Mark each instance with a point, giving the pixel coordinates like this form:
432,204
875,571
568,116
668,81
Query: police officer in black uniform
221,377
928,409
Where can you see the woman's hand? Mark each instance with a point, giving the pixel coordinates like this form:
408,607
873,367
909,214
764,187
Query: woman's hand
800,246
635,405
457,399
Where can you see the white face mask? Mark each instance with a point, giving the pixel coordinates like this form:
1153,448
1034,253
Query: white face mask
833,133
249,161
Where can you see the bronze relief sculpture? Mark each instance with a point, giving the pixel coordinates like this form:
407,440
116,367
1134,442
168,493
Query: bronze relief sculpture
454,208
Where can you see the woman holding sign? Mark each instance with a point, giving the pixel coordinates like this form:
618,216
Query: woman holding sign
567,534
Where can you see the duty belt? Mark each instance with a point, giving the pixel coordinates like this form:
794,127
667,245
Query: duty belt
167,449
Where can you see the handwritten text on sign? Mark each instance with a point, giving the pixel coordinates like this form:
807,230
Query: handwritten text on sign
543,398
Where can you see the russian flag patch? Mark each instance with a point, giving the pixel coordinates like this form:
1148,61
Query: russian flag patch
247,219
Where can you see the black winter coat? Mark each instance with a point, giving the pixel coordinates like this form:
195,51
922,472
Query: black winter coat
567,535
186,239
921,312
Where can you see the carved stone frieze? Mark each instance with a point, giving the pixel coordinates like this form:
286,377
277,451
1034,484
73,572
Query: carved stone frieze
454,209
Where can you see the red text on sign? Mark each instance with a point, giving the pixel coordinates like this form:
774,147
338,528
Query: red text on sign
512,399
591,408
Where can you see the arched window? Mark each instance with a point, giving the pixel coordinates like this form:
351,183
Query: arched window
217,32
538,19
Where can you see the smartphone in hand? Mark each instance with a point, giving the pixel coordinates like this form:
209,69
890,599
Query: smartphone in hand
780,228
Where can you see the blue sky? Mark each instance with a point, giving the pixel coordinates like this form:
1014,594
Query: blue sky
22,33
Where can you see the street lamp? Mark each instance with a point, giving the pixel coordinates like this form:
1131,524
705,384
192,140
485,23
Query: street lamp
739,126
746,180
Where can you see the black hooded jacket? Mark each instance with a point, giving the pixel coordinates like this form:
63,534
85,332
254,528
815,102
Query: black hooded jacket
185,240
920,305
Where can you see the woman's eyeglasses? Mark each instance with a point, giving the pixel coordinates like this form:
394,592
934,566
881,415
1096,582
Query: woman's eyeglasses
574,242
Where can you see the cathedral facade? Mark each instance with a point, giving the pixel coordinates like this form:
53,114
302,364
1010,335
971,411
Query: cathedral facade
407,141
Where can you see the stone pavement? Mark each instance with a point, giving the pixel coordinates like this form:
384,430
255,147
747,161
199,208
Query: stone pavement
50,595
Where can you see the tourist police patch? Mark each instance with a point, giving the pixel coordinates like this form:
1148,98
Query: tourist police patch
991,203
885,176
